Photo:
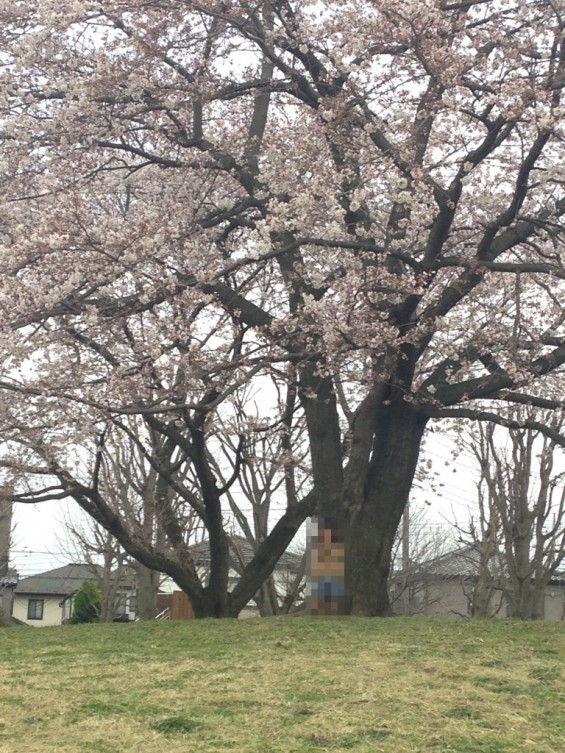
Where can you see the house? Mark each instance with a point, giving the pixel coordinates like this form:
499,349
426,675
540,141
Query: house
288,574
47,599
444,586
241,554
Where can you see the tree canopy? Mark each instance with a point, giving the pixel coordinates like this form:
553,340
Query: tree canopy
360,202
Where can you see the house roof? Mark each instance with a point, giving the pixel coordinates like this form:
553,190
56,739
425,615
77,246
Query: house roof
459,563
463,562
63,581
10,579
242,551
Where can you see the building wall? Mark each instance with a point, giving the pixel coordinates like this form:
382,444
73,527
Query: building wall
125,605
554,604
449,598
436,598
52,611
445,598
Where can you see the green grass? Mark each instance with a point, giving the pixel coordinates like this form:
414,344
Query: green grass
292,685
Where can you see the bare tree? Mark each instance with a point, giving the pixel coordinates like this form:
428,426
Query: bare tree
417,542
129,482
520,529
95,547
273,473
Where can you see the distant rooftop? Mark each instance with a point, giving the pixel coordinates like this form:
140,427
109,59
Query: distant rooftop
62,581
459,563
463,562
242,552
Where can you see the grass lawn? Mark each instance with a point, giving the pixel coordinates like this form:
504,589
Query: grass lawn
298,685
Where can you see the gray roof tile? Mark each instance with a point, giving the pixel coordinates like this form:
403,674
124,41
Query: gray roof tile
63,581
242,551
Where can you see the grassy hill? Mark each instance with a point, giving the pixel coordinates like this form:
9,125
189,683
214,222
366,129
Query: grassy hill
292,685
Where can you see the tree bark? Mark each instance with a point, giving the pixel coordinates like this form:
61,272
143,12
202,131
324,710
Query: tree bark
374,519
147,587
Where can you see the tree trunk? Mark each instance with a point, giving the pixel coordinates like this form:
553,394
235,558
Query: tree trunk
107,582
214,604
266,598
538,598
5,528
528,601
147,587
374,519
481,598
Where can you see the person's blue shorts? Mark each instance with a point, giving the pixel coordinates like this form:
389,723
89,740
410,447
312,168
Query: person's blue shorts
328,587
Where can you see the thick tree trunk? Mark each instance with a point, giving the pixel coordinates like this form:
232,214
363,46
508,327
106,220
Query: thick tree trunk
374,519
214,600
527,603
481,600
5,527
147,587
212,604
367,498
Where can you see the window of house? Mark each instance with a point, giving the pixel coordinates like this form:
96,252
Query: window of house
35,609
125,603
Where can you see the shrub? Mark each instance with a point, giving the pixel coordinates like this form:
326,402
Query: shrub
88,603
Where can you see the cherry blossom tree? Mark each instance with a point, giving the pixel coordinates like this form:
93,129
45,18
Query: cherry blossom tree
365,194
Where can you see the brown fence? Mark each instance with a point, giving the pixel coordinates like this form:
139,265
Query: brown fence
181,608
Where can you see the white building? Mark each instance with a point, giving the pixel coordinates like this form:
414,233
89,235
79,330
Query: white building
47,599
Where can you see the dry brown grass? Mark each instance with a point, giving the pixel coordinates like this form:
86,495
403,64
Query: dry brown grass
285,685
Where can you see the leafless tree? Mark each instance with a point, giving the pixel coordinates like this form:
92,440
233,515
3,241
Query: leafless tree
129,481
92,545
520,527
272,475
417,542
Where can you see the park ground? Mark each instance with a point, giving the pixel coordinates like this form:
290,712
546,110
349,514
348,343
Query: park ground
285,685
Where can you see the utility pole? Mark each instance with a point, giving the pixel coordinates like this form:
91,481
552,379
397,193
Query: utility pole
406,556
5,528
406,538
